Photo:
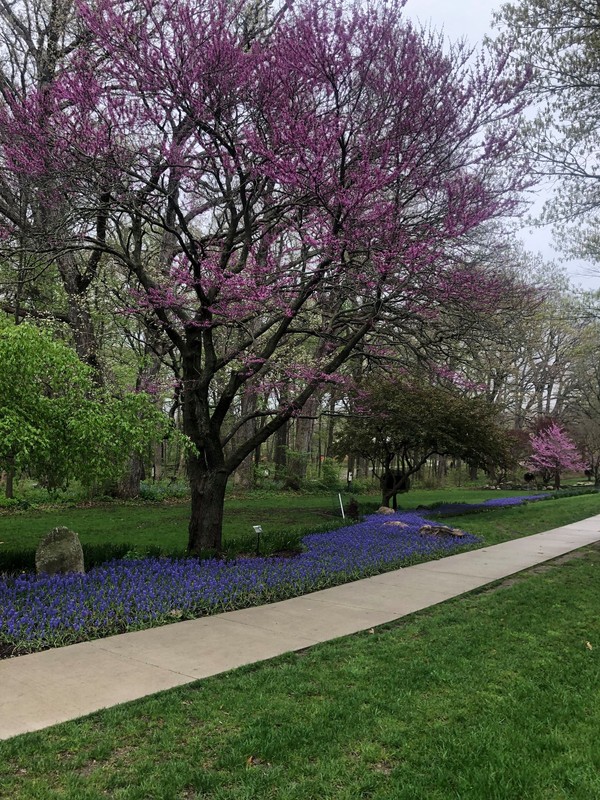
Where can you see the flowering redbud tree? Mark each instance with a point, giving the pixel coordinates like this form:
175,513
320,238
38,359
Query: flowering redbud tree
274,201
553,452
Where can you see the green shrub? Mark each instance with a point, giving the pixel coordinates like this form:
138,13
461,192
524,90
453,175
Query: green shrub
14,503
330,474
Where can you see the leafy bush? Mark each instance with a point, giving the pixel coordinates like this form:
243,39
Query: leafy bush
330,474
14,503
364,485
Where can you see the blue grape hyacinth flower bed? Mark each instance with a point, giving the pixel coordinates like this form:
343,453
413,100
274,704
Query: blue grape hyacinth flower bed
40,611
451,509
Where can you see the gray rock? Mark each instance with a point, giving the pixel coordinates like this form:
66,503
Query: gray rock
385,510
440,530
59,551
397,523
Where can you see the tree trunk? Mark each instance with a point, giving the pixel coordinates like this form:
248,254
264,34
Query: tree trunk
557,479
300,457
280,451
207,471
244,474
386,482
442,469
386,497
330,427
129,485
351,470
158,459
208,500
10,478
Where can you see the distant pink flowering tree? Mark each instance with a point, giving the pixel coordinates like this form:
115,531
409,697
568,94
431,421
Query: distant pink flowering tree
275,202
553,452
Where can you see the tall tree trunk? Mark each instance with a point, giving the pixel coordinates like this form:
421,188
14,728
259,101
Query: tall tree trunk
330,427
350,469
208,501
280,451
442,469
129,485
206,467
157,459
76,288
10,478
244,474
305,426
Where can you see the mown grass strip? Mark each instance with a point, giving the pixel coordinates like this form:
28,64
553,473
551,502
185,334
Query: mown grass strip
493,695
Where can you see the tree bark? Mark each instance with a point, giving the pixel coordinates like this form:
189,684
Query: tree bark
300,457
280,451
208,500
244,474
10,478
157,458
330,427
207,471
129,486
350,469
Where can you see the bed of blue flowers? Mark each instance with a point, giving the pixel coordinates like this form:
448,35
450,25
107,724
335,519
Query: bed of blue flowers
41,611
450,509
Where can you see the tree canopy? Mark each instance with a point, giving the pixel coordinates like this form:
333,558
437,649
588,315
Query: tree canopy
553,452
274,200
55,423
561,40
401,425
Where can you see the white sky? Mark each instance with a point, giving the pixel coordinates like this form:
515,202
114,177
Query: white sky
471,19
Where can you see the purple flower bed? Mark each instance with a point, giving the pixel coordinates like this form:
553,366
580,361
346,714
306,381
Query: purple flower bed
44,611
448,509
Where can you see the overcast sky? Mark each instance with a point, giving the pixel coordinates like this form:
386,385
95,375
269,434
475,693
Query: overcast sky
471,19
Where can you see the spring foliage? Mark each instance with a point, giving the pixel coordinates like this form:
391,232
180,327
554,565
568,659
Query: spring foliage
54,423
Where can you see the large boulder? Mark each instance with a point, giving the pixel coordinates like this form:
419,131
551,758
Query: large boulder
59,551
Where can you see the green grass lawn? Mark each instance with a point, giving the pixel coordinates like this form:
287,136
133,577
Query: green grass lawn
164,525
111,530
511,523
492,696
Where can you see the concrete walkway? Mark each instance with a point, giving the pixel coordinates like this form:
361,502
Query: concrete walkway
42,689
